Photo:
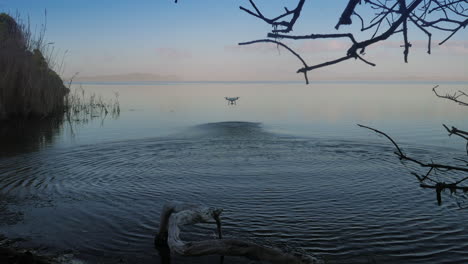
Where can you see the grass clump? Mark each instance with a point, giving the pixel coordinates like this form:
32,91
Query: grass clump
83,107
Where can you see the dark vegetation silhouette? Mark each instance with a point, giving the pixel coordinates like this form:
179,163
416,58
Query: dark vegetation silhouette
34,102
29,87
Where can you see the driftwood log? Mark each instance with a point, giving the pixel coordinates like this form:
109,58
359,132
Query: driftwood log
174,215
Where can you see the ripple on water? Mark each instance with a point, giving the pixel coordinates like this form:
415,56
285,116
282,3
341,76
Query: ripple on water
346,200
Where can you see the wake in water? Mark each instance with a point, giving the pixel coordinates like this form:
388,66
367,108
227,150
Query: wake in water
335,198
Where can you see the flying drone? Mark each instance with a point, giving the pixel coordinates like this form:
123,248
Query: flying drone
231,100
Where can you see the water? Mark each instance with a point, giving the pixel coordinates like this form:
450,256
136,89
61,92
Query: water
288,165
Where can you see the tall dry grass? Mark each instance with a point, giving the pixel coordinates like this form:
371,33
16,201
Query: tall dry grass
82,106
29,87
29,83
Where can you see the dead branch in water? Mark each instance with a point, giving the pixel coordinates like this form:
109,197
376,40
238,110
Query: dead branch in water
174,215
461,133
453,97
426,181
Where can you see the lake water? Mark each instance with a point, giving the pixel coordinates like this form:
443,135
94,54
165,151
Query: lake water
287,163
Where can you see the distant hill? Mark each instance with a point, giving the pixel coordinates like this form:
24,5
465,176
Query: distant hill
129,77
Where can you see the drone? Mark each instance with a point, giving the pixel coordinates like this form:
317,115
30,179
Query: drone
231,100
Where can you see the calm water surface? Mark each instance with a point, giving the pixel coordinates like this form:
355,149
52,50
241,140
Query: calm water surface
287,163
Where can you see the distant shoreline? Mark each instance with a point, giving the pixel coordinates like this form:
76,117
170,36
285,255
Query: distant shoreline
129,77
163,82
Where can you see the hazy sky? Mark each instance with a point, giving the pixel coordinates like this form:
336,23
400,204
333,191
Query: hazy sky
197,40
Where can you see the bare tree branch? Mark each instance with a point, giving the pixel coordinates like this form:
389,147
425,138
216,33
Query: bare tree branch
403,156
453,97
424,14
437,185
284,46
288,25
456,131
312,36
345,18
391,17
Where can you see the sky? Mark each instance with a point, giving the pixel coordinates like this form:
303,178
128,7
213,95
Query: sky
197,41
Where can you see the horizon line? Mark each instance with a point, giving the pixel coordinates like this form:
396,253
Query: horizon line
274,81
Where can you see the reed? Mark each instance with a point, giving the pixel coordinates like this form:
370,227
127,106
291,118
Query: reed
29,86
81,106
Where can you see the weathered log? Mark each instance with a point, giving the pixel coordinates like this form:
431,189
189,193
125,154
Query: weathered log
174,215
171,208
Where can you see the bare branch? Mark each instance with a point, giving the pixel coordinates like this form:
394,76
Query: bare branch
312,36
456,131
288,25
407,45
455,97
282,45
429,35
400,153
439,186
402,156
345,18
328,63
391,17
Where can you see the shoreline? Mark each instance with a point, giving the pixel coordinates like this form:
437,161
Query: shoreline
12,253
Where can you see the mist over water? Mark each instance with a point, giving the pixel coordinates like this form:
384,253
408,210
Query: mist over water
287,163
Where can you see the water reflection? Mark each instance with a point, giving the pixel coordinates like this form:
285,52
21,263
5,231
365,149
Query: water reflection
164,254
28,135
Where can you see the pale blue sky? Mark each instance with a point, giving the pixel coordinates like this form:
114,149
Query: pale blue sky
197,40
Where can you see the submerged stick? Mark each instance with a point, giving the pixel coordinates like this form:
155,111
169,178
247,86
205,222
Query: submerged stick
174,215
